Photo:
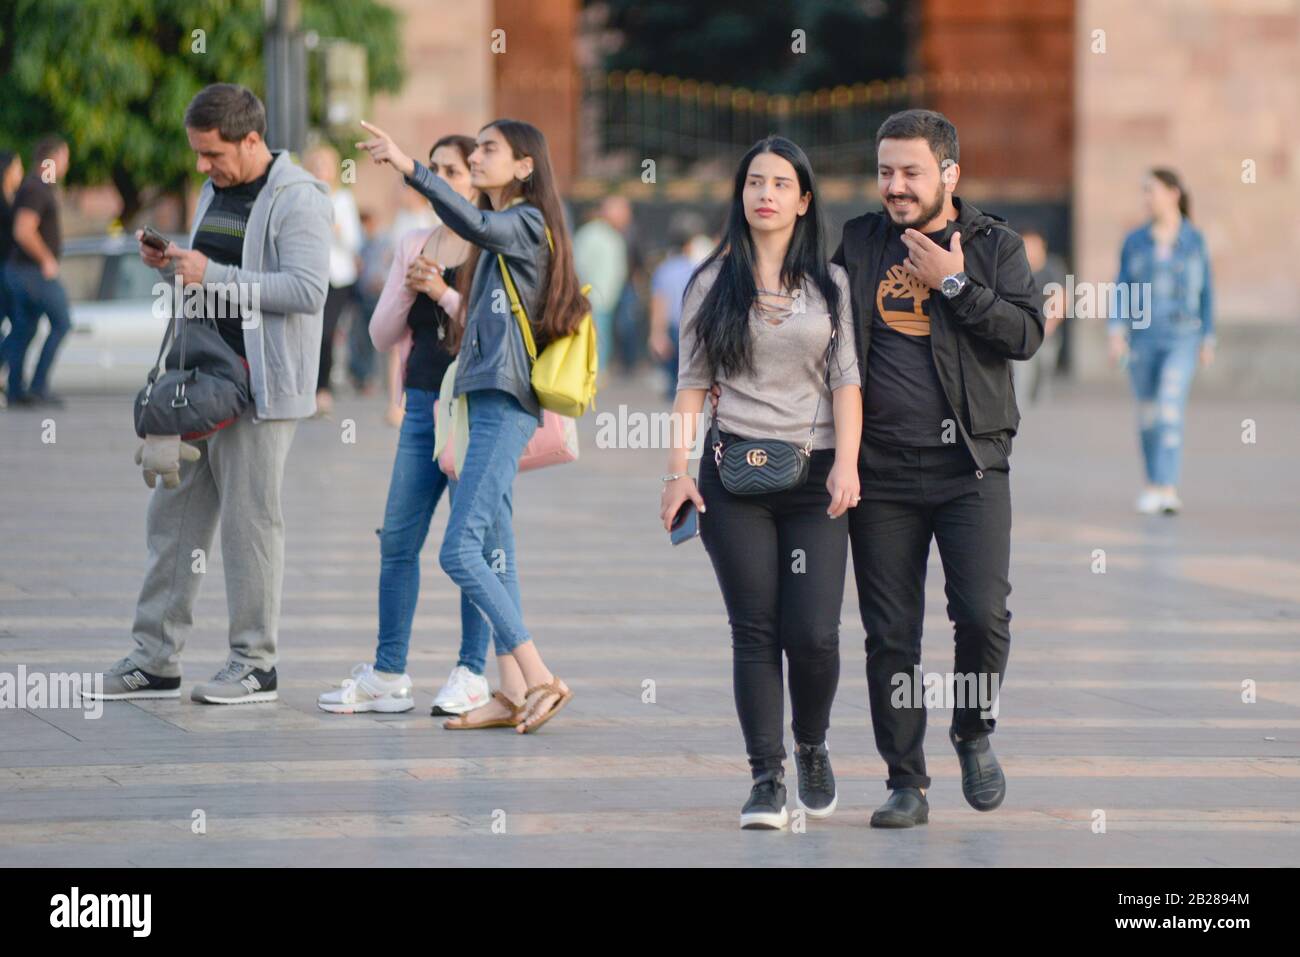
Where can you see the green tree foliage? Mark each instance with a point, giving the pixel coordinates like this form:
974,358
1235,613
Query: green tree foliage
113,78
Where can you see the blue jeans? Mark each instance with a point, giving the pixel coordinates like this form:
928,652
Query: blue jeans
603,320
413,493
32,295
499,430
1161,370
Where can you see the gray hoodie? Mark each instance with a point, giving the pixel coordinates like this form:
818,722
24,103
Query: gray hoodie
286,259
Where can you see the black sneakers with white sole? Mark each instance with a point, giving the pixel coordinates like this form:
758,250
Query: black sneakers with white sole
765,809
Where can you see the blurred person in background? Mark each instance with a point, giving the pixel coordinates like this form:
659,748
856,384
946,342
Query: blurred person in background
1163,328
1031,375
600,257
345,245
32,274
374,257
630,315
668,287
11,176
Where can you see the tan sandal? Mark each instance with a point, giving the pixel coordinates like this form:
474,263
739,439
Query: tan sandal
543,692
459,723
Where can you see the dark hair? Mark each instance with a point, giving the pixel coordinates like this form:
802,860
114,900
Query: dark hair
464,145
46,147
935,128
684,226
563,304
722,324
1170,179
233,111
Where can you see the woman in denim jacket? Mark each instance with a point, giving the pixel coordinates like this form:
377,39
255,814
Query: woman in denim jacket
519,218
1162,326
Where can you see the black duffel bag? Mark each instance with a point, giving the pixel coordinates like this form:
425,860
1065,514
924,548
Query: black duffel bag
201,387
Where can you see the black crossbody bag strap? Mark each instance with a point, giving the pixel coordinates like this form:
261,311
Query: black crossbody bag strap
715,437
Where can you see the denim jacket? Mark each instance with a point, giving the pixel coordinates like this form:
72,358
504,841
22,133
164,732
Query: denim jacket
492,353
1193,308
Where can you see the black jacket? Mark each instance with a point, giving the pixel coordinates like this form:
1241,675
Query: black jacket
492,353
973,336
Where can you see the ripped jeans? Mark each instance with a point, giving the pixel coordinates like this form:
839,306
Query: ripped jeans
1161,370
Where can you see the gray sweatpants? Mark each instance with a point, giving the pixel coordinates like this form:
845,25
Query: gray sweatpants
238,480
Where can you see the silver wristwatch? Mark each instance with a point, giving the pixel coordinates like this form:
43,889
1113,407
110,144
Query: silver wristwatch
953,285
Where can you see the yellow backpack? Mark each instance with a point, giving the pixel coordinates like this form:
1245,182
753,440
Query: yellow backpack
564,375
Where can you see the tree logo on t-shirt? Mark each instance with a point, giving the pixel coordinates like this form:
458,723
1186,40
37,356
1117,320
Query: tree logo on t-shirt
898,289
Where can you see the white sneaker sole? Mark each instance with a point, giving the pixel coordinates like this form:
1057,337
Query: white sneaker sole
457,707
764,820
824,812
128,695
257,697
380,705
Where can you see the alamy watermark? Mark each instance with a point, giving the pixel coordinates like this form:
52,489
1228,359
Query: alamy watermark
26,690
946,689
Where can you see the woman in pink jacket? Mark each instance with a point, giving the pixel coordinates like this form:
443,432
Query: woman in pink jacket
411,317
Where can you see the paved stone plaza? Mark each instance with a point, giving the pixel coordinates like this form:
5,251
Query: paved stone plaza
1124,694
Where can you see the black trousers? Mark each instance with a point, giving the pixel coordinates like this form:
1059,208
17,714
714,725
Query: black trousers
780,562
908,497
336,299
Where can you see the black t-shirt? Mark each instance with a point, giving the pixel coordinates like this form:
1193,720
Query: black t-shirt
40,197
429,358
220,237
903,402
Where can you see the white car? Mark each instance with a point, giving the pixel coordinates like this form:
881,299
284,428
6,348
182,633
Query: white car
115,332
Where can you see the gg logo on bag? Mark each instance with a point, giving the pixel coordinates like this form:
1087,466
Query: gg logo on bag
756,457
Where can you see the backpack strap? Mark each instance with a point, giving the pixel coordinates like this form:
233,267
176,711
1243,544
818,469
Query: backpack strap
516,305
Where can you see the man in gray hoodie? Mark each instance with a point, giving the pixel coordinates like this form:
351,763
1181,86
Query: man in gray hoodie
262,230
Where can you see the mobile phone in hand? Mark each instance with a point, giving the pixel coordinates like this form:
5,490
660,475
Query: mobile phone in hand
153,239
686,523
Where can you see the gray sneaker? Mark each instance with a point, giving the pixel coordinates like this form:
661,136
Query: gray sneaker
125,682
237,683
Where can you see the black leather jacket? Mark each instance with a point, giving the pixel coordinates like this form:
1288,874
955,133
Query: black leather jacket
492,353
973,336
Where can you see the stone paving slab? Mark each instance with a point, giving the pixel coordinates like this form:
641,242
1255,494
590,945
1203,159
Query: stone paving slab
1124,693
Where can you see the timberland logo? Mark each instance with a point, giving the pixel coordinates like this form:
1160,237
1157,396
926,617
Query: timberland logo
103,910
756,457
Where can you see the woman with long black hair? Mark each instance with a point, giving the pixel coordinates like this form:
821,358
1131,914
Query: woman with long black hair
518,218
769,321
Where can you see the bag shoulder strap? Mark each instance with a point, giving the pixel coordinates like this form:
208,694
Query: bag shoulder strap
715,438
516,305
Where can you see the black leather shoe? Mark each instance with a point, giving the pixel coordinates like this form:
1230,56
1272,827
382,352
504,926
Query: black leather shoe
906,807
982,780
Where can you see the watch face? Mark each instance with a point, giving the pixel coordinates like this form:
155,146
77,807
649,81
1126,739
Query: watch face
950,286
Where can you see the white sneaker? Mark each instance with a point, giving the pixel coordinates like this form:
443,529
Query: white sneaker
1171,504
464,691
366,691
1150,502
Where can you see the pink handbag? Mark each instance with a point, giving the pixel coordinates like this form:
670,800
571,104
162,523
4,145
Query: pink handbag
554,443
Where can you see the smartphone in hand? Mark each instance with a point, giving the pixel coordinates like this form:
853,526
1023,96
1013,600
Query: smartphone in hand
686,523
153,239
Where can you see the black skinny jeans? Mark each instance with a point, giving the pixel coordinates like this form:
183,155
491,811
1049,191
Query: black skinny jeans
780,561
908,497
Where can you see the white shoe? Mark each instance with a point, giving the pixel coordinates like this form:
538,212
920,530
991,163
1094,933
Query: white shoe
1171,504
366,691
464,691
1150,502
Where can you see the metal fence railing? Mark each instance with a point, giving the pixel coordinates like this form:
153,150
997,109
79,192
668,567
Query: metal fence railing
683,124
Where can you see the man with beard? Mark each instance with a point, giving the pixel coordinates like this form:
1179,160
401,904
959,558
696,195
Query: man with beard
943,299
